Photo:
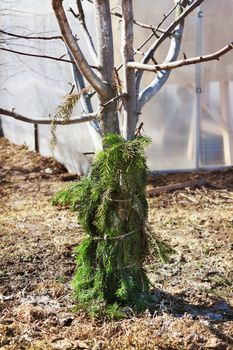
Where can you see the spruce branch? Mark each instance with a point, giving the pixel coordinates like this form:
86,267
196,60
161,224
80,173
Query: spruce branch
66,107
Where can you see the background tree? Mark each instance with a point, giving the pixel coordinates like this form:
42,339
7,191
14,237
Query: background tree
111,201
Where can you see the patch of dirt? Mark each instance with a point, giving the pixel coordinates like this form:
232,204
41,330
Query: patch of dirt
193,290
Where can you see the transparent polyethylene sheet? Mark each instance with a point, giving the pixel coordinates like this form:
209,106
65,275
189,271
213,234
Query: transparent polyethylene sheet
189,121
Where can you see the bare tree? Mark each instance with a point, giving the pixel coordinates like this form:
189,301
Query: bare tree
102,75
113,208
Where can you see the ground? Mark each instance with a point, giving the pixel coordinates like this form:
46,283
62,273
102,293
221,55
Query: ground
193,290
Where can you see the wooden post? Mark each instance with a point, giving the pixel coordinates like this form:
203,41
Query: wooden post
1,130
36,138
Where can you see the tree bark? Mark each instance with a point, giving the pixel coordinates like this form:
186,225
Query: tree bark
109,115
130,103
104,36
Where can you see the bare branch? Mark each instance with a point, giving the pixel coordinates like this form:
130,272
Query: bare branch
177,3
140,24
170,29
173,52
83,118
42,56
78,120
75,50
85,97
27,37
81,17
185,62
154,31
116,98
38,56
163,37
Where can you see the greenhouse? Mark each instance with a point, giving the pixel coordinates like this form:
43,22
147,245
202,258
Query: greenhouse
190,120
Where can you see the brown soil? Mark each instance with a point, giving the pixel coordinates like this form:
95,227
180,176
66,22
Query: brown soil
193,290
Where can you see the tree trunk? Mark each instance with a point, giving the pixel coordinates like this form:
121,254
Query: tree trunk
130,102
109,114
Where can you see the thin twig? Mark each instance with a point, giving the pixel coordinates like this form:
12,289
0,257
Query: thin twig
41,56
167,15
170,29
138,130
32,37
81,17
163,37
140,24
118,97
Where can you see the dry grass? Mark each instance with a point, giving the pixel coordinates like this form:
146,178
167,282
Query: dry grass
193,291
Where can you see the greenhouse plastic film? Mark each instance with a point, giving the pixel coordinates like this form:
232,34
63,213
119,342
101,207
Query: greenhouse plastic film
35,87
